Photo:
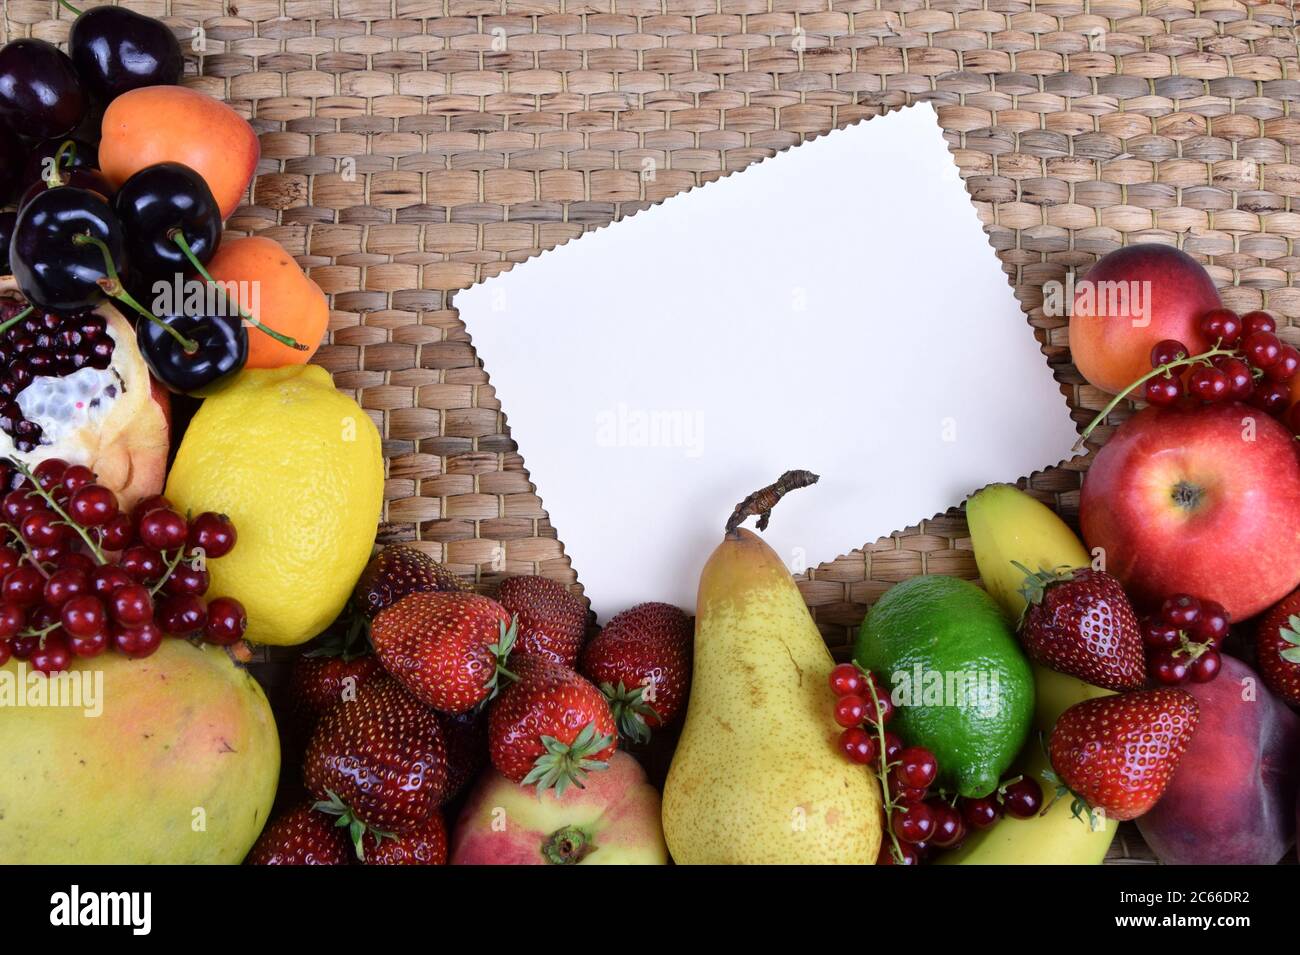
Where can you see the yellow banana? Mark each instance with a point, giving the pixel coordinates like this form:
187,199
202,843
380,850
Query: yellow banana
1006,526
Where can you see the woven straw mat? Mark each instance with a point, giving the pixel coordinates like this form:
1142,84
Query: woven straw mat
413,147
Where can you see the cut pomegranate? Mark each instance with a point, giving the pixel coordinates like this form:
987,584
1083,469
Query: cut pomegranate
77,388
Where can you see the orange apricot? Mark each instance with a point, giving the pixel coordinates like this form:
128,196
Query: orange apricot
269,285
156,124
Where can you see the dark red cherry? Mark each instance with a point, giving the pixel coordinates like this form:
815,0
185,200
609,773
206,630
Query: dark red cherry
40,94
116,50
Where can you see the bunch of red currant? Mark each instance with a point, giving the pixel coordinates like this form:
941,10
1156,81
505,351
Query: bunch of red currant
1183,640
78,577
1248,363
916,821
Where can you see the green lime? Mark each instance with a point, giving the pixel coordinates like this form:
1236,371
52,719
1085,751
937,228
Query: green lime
963,688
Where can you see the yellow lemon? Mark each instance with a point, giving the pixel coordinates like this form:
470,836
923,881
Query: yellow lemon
298,467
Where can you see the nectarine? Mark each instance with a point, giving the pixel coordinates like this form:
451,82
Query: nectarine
156,124
1131,299
271,287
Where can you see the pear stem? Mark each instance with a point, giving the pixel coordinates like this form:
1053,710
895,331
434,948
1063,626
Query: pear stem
761,502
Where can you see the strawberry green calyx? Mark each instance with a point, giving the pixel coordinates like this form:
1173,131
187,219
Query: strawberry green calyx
629,709
567,846
501,652
564,764
1093,818
1291,634
334,806
1036,582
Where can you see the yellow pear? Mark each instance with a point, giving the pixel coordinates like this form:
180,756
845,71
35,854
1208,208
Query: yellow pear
757,777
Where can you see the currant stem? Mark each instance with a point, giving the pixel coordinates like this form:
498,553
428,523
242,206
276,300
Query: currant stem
883,772
179,238
112,286
27,550
5,326
64,516
172,564
1203,358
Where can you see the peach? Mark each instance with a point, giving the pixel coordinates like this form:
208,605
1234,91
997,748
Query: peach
156,124
1131,299
271,287
1232,800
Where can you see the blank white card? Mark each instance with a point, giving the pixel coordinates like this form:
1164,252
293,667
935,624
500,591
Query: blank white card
836,308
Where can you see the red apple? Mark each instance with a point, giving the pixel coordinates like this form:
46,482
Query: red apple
613,821
1131,299
1204,501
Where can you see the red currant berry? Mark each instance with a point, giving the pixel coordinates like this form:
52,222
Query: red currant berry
1167,669
83,615
1206,667
142,563
90,645
1023,798
1287,365
23,586
163,529
227,622
185,616
24,647
980,813
18,504
63,585
850,710
51,654
1208,384
9,559
886,709
1159,635
1181,610
147,504
1163,390
76,477
1272,397
948,827
108,578
1262,348
131,605
75,560
115,535
137,642
51,554
893,747
1166,351
908,852
855,742
93,505
187,580
42,528
846,679
49,472
215,535
1241,383
1257,321
1214,622
12,619
1221,325
914,823
917,767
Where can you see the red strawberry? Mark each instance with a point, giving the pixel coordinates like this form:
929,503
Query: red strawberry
466,737
424,846
318,681
446,648
396,571
1080,622
378,761
641,661
552,621
301,836
1278,649
551,727
1118,753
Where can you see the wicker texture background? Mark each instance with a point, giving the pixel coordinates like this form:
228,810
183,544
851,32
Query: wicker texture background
413,147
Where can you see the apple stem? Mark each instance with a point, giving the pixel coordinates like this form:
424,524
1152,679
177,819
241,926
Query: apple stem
112,286
1165,369
4,327
179,238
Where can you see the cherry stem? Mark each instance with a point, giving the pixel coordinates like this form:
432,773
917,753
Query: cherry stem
1202,358
112,286
68,6
883,771
64,516
183,244
4,327
52,178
